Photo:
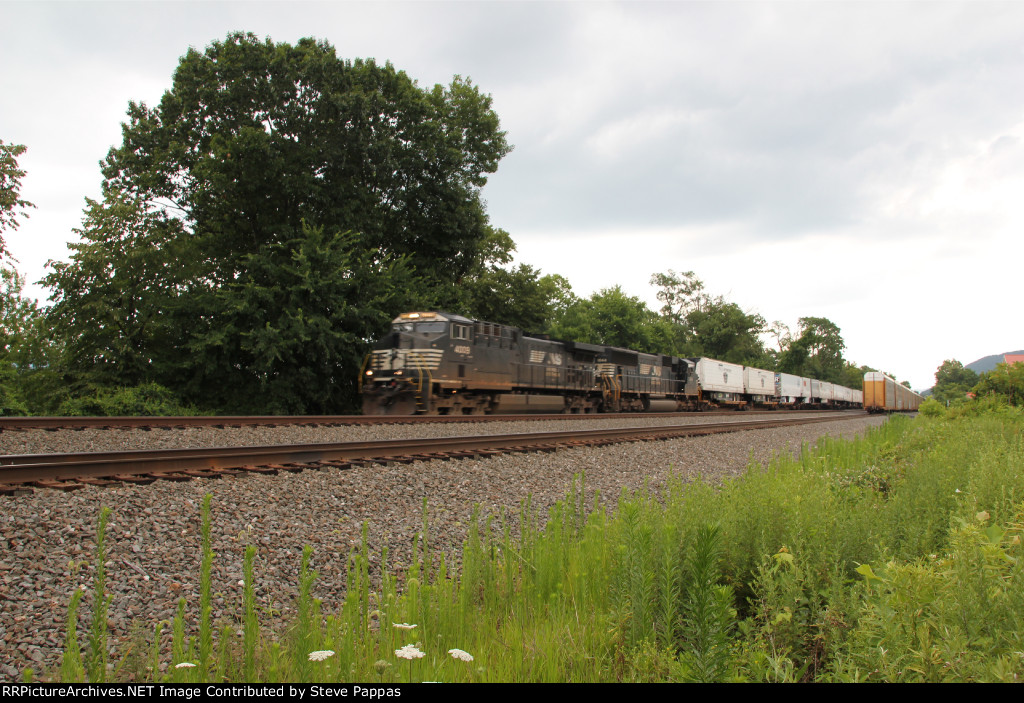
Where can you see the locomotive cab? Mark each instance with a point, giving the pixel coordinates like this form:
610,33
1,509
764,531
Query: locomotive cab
415,329
398,373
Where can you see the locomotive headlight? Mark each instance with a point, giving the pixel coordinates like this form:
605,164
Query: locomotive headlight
369,373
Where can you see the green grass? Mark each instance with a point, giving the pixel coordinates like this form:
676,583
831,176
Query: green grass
893,557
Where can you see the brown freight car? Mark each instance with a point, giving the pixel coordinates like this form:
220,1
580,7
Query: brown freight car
883,394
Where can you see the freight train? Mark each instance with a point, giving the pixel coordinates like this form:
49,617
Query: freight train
883,394
436,363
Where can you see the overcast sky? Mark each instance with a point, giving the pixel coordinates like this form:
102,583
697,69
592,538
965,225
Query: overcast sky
858,161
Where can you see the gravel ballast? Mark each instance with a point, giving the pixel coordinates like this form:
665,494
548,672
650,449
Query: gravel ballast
47,539
98,440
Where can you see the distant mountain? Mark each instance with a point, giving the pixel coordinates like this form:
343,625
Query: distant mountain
980,366
989,362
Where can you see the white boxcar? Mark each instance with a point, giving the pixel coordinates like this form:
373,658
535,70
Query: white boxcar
792,389
759,383
720,379
822,391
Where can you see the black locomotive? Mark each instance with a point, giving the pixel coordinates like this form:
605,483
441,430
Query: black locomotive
435,363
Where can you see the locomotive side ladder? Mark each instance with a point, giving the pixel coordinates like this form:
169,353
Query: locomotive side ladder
422,371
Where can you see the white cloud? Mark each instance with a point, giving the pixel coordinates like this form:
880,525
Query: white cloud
869,140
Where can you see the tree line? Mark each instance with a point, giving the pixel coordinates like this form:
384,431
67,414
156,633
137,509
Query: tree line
260,227
956,384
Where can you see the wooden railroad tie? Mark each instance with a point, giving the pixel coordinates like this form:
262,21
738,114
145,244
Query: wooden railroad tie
132,478
258,469
332,464
59,485
291,468
171,476
89,481
200,473
14,489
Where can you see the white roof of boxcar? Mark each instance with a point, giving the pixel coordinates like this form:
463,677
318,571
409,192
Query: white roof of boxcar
877,376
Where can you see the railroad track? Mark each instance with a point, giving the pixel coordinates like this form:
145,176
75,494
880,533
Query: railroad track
18,424
70,471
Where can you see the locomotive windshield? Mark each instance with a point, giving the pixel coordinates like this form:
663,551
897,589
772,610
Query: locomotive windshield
422,327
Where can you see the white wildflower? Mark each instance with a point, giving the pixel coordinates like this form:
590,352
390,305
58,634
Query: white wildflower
409,652
403,626
459,654
184,665
320,655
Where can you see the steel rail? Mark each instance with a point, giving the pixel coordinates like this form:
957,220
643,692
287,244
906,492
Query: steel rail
29,468
182,421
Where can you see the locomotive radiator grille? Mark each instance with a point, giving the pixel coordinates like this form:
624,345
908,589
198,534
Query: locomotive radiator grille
396,359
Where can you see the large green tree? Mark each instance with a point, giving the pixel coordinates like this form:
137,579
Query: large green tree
513,295
615,319
953,381
723,331
1006,381
289,204
680,294
704,325
853,375
28,381
817,352
119,303
12,205
518,296
26,349
255,138
293,328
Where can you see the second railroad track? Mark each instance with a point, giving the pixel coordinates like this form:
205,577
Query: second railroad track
73,470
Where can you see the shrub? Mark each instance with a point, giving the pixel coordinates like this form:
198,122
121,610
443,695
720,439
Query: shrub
146,399
932,408
1005,381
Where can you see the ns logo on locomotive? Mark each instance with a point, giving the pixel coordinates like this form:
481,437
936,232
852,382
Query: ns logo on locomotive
436,363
